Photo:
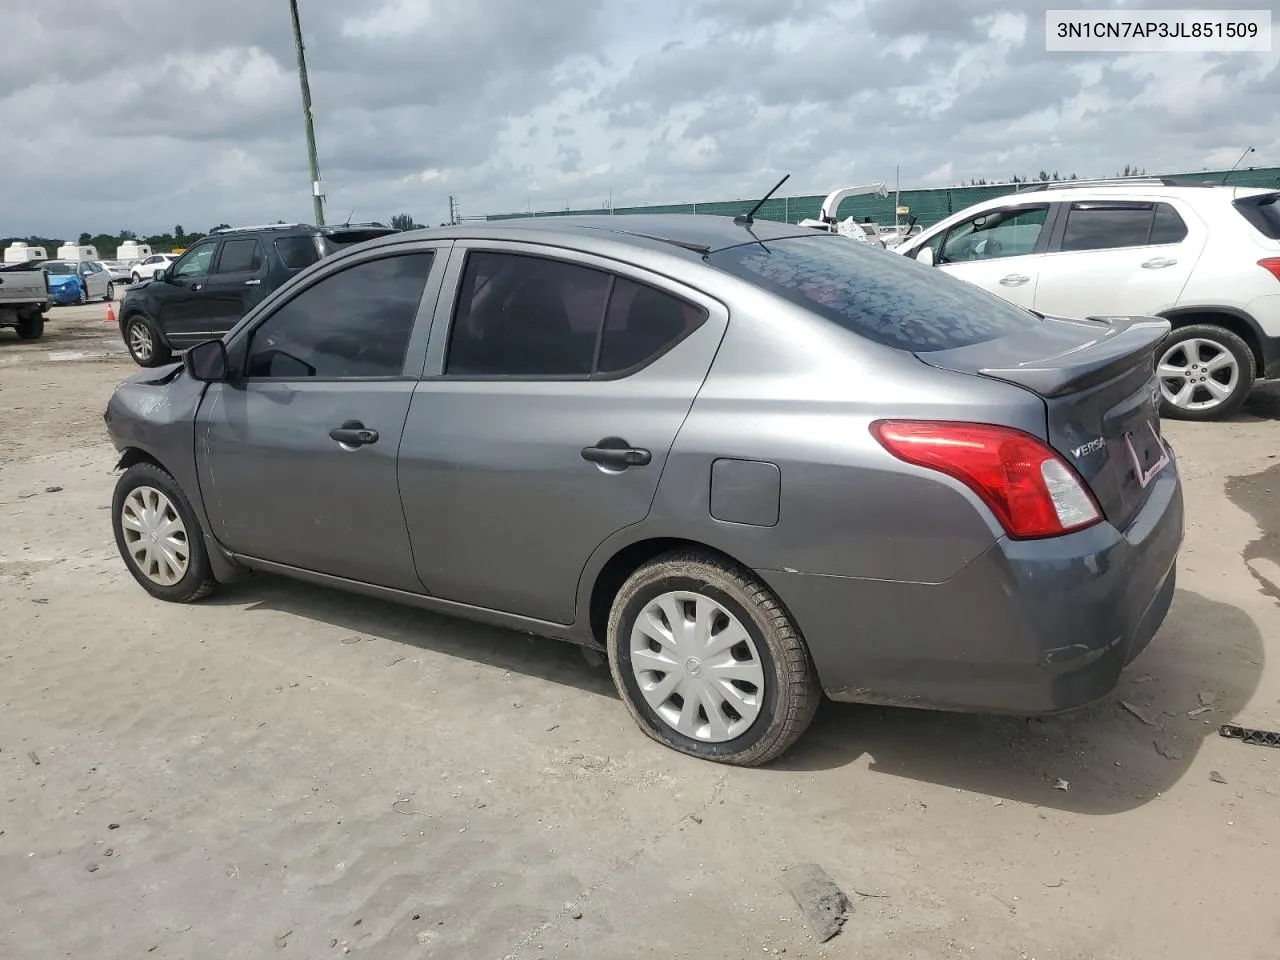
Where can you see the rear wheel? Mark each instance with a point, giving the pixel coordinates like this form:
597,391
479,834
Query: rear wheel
31,327
708,662
145,345
1206,373
159,537
111,292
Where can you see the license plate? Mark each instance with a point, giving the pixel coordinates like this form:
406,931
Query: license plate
1147,453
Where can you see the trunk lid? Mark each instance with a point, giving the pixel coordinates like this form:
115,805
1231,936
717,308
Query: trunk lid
1097,380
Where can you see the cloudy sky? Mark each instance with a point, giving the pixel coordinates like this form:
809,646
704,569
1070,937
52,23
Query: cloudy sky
146,113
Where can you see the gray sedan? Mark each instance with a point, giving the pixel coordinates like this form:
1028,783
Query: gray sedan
751,464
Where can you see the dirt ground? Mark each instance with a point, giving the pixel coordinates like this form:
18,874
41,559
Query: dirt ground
282,771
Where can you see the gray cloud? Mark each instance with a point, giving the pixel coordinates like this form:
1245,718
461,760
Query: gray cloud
195,117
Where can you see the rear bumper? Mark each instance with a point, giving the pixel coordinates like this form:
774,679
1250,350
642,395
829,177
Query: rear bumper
1029,627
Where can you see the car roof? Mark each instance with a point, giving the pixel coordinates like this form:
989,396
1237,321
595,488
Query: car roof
696,233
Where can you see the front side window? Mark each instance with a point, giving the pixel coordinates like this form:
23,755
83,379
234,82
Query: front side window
354,323
891,300
195,263
524,316
240,256
1107,225
1012,232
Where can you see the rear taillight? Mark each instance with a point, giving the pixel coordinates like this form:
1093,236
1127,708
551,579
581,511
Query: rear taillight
1032,491
1271,264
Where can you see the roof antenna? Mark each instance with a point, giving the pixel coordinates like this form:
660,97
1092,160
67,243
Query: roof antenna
1238,162
750,217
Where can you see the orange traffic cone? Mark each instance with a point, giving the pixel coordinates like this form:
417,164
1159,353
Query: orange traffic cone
111,314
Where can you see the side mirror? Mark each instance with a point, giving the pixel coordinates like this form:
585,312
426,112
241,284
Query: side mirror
158,274
207,361
925,255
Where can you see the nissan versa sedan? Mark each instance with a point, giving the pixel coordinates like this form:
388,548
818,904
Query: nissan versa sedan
752,464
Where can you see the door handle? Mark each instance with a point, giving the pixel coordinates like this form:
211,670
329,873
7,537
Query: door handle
353,433
252,283
1013,280
616,452
195,286
1158,262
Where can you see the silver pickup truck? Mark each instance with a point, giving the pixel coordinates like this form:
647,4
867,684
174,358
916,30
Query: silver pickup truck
24,299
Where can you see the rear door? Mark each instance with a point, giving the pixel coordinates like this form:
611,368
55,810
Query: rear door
1119,258
999,250
297,453
543,423
234,284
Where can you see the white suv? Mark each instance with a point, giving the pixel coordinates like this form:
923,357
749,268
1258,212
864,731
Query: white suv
146,269
1206,257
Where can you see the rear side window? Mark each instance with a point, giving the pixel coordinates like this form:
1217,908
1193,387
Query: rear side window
240,256
523,316
1168,225
1263,213
882,296
1106,226
297,252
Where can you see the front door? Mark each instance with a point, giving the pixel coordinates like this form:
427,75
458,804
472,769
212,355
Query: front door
999,250
546,427
235,284
297,453
1119,259
182,305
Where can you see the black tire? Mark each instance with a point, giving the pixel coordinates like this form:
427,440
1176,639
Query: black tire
1225,340
31,327
83,296
160,352
791,689
198,581
111,292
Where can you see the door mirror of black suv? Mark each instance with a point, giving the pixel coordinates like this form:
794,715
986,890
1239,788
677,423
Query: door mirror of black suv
207,361
158,274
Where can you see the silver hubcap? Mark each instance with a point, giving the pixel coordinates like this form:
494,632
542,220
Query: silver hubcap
1197,374
697,667
140,341
155,536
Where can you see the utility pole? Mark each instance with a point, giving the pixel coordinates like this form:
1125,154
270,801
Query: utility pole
317,190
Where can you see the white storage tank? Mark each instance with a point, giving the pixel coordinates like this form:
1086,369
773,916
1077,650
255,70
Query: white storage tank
70,250
19,252
131,251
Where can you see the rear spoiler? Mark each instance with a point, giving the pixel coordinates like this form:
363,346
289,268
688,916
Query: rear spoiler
1121,343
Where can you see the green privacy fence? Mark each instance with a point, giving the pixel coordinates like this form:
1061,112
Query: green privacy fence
928,206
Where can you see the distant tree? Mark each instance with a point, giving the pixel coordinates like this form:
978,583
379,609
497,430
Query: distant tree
221,226
127,235
179,233
1044,177
403,221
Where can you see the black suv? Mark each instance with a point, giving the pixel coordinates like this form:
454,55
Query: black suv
218,280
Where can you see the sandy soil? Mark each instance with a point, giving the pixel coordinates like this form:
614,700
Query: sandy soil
282,771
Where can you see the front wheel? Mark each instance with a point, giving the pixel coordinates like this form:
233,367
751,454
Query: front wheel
159,537
83,295
708,662
144,344
1206,373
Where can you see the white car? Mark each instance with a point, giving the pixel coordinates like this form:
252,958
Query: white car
118,269
146,269
1205,257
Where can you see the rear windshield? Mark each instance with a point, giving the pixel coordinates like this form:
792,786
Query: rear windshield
1263,212
880,295
341,239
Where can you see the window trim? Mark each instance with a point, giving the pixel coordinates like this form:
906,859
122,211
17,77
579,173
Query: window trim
1042,240
240,337
438,354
